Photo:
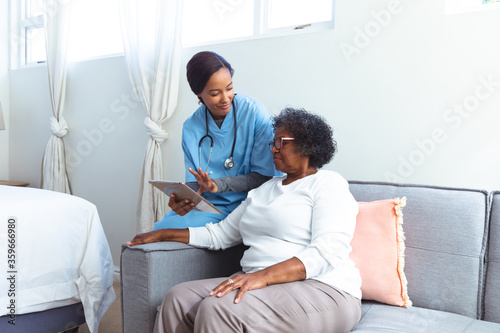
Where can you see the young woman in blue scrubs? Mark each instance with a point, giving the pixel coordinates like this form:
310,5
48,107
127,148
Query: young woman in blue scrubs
225,144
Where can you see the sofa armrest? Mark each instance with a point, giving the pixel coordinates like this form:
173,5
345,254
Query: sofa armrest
149,271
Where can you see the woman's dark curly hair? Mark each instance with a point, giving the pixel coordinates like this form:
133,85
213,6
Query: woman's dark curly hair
313,136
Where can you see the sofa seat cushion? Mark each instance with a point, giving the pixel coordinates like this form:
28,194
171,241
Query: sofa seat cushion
378,317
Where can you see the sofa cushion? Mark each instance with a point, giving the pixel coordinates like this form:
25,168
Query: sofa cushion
492,289
384,318
445,243
378,251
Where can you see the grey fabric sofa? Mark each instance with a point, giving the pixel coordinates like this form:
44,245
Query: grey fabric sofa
452,264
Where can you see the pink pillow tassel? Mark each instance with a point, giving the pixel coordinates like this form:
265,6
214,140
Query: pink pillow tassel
400,203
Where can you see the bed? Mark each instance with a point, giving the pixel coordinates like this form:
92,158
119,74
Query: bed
56,266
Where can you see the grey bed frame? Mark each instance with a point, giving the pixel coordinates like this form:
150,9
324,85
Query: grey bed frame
63,319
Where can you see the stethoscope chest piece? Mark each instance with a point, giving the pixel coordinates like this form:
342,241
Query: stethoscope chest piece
229,163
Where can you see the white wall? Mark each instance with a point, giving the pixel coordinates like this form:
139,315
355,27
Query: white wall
4,89
391,104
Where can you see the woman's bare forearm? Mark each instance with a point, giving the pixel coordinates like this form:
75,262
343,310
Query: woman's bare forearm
161,235
286,271
177,235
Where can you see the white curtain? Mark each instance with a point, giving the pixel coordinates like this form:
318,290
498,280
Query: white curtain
54,173
151,41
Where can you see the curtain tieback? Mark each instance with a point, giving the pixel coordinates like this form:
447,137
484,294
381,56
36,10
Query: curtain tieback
155,131
59,128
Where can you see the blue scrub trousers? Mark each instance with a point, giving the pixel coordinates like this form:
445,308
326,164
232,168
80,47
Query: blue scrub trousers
194,218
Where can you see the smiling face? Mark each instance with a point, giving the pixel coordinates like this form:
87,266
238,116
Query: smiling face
218,93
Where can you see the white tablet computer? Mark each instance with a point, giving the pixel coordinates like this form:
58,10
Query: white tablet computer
182,192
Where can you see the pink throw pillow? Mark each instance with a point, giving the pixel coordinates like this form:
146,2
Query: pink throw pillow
378,251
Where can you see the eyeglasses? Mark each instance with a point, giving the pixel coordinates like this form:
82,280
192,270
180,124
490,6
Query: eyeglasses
278,143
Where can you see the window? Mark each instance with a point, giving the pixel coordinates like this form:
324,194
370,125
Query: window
33,30
294,13
28,37
208,21
463,6
95,31
95,24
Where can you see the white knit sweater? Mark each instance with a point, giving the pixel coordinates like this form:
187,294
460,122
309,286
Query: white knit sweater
312,218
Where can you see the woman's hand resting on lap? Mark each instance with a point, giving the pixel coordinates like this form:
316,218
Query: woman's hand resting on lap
243,282
285,271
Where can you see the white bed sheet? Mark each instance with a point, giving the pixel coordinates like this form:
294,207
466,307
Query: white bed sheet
62,254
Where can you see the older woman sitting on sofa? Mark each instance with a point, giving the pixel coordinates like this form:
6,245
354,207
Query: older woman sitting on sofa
297,275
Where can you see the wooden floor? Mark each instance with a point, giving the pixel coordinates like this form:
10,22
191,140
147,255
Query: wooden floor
112,320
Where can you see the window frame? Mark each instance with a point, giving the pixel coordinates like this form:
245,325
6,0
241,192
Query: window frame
30,23
261,29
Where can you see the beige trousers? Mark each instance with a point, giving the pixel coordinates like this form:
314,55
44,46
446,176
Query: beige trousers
301,306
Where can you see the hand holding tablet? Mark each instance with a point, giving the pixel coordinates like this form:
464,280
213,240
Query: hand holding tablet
182,191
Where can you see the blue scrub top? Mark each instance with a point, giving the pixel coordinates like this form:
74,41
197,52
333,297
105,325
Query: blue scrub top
251,154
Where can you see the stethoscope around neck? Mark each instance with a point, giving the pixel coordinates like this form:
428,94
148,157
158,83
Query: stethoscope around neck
228,163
